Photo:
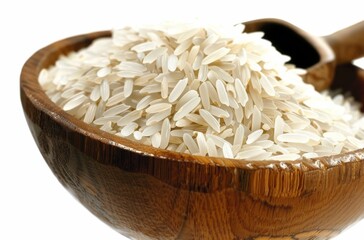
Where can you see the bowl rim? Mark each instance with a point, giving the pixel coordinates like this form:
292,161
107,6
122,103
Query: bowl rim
32,90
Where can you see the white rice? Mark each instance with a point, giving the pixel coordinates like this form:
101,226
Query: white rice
203,91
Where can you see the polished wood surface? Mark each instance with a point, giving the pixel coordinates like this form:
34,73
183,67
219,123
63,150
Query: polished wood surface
348,43
319,56
148,193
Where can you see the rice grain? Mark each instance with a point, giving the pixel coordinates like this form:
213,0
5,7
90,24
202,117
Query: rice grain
203,91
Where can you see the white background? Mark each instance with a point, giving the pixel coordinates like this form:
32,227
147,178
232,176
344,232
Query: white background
33,205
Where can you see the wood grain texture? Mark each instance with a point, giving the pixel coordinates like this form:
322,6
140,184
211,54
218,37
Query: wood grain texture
148,193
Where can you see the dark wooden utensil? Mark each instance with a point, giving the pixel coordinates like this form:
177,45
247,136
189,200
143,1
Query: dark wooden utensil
149,193
318,55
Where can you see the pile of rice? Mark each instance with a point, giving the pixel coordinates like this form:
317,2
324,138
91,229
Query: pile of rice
205,91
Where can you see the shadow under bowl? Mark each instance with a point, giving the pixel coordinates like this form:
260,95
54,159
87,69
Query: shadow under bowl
148,193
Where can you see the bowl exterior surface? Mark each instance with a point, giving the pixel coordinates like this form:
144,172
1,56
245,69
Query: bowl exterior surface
147,196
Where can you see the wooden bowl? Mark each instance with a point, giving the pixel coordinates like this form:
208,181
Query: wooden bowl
149,193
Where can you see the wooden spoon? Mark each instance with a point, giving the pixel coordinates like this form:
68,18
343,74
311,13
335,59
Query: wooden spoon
319,56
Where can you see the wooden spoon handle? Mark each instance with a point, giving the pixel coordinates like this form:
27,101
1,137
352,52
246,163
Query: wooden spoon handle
348,43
